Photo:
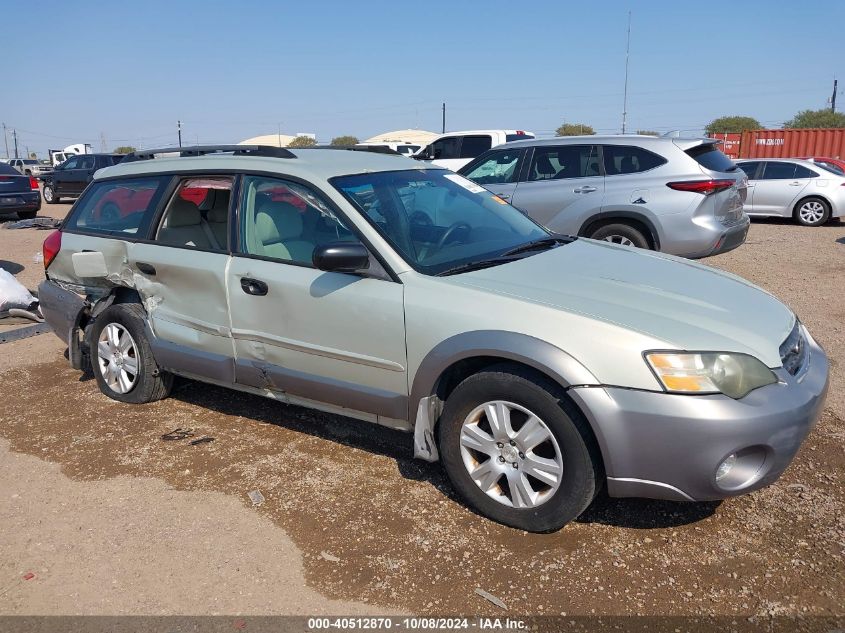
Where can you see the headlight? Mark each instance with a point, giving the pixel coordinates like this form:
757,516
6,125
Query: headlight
732,374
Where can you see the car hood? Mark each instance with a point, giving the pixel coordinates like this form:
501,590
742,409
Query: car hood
687,305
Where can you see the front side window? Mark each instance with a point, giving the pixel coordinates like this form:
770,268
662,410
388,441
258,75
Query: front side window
116,207
286,221
87,162
437,220
197,215
566,161
501,166
778,171
445,148
72,163
625,159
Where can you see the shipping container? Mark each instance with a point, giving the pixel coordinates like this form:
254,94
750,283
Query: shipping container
730,143
828,142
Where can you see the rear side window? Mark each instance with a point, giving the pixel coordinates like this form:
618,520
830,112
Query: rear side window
709,157
627,159
568,161
803,172
8,169
778,171
117,207
473,146
518,137
750,169
197,215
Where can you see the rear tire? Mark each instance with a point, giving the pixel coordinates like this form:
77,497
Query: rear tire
620,233
121,357
504,458
49,194
812,212
27,215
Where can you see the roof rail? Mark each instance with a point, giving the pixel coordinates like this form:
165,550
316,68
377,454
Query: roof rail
354,148
201,150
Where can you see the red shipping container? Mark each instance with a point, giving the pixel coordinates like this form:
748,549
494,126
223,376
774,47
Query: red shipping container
730,143
828,142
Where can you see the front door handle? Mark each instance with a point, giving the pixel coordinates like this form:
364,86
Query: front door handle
253,287
586,189
147,269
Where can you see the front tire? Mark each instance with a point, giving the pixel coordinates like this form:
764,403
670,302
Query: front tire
517,451
49,194
621,233
812,212
121,357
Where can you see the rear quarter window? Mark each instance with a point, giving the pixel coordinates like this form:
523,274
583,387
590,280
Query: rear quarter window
709,157
117,207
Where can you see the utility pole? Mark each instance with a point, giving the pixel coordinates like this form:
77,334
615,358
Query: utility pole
6,140
625,96
444,118
103,142
833,97
179,128
15,137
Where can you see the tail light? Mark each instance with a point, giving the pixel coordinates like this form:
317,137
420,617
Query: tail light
705,187
51,247
33,183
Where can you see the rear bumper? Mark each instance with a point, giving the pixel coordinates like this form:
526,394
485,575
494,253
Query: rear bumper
668,446
14,202
61,309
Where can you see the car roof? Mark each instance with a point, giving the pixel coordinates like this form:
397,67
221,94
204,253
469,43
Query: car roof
614,139
307,164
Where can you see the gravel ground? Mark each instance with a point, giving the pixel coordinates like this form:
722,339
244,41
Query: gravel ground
371,525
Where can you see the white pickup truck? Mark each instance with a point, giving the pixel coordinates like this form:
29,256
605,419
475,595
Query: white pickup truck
453,150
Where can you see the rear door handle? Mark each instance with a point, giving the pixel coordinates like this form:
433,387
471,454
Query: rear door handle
795,184
253,287
586,189
147,269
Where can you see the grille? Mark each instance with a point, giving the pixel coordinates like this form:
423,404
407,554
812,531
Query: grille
793,351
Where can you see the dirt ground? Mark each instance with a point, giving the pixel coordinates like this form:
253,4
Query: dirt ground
113,519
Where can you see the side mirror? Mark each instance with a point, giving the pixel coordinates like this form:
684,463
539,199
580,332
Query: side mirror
423,154
341,257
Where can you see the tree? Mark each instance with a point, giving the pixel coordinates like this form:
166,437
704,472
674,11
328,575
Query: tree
124,149
648,133
33,155
345,141
732,125
574,129
302,141
816,118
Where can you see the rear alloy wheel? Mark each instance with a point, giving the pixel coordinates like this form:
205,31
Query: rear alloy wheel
620,233
49,195
122,359
812,212
516,452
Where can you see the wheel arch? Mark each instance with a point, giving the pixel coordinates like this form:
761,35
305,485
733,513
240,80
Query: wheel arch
803,198
462,355
629,217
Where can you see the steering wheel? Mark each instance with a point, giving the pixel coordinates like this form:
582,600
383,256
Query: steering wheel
421,218
460,224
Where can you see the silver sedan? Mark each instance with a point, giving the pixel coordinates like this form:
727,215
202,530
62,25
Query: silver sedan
793,188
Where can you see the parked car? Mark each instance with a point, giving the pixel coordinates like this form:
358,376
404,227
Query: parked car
19,194
793,188
71,177
30,167
456,149
679,196
537,368
835,165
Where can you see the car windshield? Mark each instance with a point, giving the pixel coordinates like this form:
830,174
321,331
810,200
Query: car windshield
831,168
438,220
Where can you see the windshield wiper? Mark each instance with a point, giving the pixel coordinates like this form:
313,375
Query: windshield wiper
477,265
541,244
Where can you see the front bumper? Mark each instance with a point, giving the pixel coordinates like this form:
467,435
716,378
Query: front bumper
668,446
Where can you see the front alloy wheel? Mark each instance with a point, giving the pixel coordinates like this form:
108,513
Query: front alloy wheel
511,454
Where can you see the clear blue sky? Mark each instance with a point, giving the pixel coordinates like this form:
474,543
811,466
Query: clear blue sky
229,70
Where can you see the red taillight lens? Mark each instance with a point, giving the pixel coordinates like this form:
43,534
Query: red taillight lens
51,247
33,183
705,187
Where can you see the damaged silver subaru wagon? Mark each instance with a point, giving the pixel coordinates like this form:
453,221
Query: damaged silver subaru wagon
537,368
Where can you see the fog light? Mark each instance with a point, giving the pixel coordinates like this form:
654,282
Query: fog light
725,467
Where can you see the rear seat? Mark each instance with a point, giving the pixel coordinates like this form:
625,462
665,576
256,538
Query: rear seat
183,225
218,216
